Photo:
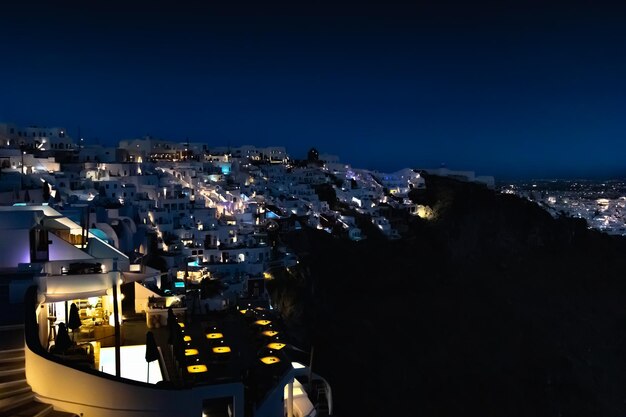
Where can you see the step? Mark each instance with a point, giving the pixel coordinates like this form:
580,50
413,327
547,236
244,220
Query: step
30,408
15,389
9,381
11,343
11,337
14,401
14,314
10,355
15,366
9,327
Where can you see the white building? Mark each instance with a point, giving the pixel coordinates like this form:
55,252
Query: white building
35,137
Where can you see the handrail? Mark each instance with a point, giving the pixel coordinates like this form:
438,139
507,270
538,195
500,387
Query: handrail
328,392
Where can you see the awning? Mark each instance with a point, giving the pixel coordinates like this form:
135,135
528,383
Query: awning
53,298
67,287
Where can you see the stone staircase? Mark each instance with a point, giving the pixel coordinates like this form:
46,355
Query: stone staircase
16,397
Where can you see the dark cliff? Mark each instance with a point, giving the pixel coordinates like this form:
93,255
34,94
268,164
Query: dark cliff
491,308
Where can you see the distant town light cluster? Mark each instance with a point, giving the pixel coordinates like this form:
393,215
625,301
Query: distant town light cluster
602,204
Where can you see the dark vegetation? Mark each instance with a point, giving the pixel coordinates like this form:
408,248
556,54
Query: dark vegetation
491,308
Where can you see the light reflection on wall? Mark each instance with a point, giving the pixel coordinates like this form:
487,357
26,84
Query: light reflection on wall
15,247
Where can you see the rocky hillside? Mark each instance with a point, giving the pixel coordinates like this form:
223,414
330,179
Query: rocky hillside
491,308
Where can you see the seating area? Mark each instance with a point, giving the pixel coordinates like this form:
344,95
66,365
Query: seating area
245,345
87,330
237,345
78,354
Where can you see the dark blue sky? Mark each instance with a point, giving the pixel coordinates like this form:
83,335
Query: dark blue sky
511,89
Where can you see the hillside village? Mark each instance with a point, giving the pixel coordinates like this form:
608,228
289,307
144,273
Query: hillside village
211,212
491,288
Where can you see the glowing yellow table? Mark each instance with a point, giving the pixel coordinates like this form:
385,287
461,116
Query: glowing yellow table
221,349
195,369
191,352
276,345
214,335
268,360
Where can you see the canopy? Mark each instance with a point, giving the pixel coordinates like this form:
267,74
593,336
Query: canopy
68,287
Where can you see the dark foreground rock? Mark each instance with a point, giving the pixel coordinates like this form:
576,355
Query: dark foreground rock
492,308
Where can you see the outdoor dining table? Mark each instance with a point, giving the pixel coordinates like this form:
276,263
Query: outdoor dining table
196,368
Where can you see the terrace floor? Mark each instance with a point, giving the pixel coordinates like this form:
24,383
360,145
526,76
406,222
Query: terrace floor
233,356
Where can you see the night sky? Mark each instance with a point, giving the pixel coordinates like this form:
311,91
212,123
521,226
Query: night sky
510,89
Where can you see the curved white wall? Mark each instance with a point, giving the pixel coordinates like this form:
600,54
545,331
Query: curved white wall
71,390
